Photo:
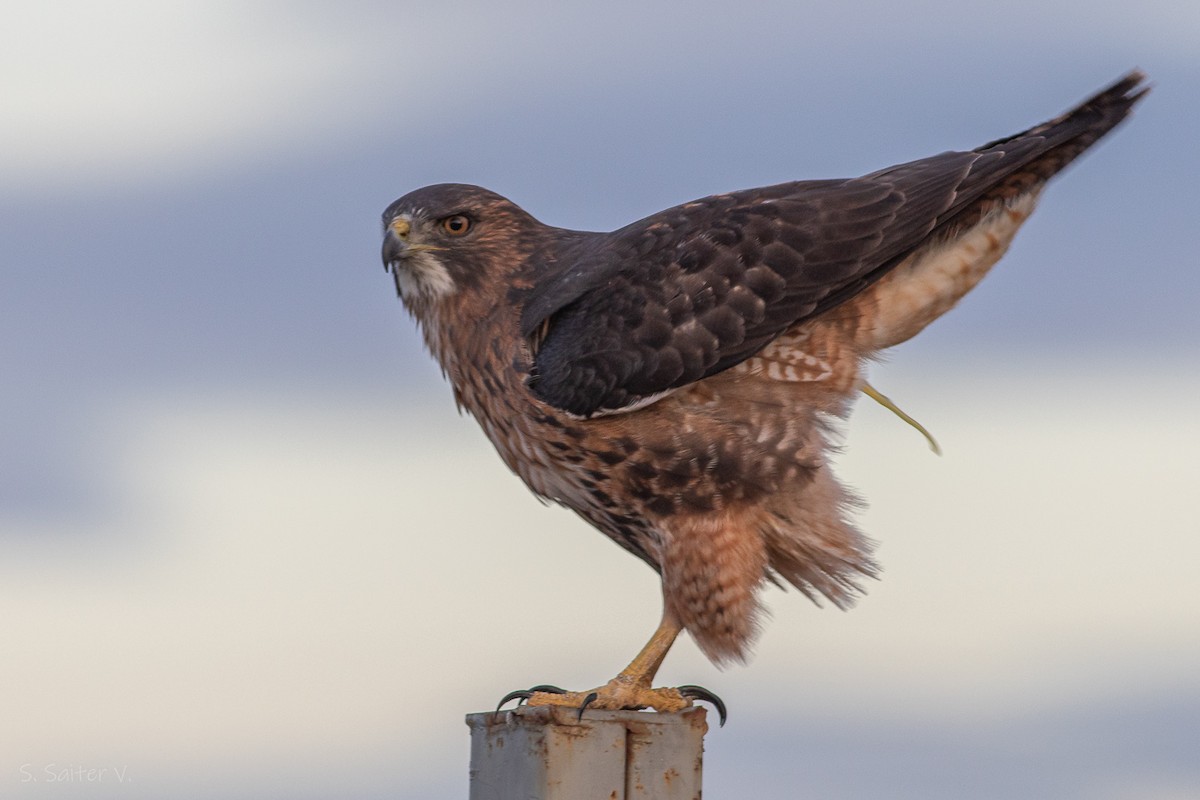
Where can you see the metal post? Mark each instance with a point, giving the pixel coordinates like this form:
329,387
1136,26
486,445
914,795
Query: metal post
545,753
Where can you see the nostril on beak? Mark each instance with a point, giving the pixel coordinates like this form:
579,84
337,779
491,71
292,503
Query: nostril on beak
393,247
395,240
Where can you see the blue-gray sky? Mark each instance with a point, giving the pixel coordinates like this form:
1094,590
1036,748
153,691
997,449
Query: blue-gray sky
242,531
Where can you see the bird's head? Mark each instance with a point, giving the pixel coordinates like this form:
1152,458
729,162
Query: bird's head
449,240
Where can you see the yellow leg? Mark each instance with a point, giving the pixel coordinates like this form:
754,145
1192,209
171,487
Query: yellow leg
631,688
645,664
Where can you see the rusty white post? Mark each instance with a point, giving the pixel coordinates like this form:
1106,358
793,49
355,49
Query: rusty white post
545,753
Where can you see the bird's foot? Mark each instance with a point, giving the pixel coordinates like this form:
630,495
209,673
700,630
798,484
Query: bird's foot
617,695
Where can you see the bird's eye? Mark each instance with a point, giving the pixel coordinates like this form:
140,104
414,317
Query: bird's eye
457,224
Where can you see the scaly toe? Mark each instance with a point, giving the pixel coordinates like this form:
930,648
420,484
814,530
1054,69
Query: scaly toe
521,695
616,695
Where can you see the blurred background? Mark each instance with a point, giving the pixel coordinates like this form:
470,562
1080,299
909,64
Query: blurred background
249,550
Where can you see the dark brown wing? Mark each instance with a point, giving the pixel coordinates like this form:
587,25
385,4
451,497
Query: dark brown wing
695,289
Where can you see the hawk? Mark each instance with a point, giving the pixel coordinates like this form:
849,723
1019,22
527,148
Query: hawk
673,381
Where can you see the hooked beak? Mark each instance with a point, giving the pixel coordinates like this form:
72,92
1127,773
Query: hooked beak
395,241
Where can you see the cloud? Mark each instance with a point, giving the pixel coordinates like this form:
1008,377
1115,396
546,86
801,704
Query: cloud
139,91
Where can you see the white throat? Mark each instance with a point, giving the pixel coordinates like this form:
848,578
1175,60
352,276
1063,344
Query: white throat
421,276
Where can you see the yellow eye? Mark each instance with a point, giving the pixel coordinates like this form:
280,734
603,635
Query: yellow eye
456,225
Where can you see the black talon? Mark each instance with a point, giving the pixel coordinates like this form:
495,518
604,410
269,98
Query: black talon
700,693
521,695
587,701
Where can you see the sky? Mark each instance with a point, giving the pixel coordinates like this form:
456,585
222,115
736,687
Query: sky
248,548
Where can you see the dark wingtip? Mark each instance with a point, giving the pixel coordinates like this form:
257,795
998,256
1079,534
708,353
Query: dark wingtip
1070,134
1125,92
1108,107
1104,110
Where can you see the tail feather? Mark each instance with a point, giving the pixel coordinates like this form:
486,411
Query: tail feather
812,545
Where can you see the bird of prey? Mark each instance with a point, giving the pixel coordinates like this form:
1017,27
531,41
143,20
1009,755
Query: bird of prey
673,381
